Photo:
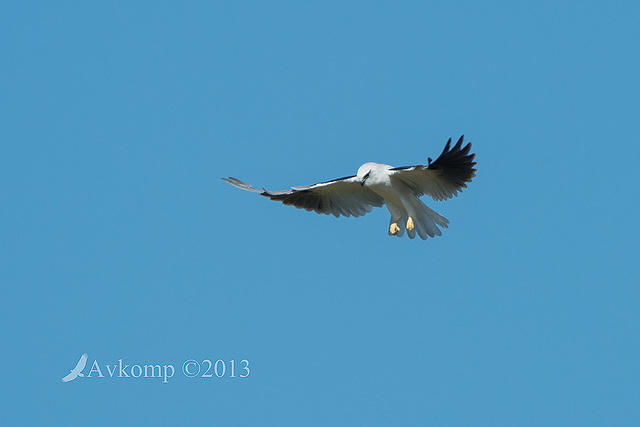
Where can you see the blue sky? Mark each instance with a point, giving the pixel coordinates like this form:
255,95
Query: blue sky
120,240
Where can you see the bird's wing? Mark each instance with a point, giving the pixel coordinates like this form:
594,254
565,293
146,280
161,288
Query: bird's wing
81,363
68,377
343,196
443,178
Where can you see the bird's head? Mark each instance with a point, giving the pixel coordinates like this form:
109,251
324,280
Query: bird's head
363,172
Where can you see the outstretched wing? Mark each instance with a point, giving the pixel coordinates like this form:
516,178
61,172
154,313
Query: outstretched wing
443,178
343,196
81,363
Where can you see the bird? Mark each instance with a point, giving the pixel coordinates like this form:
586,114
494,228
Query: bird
399,188
77,371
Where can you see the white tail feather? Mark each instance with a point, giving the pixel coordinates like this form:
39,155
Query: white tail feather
426,220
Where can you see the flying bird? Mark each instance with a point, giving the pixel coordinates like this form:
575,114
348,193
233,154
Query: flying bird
77,371
399,188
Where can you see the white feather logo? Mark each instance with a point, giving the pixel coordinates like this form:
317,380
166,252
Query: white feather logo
77,371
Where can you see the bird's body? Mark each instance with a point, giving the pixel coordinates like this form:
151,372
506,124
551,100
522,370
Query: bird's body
398,188
407,211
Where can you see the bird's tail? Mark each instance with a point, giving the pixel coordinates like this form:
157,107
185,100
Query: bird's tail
426,221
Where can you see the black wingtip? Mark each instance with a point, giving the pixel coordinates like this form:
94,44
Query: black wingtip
458,144
446,147
456,163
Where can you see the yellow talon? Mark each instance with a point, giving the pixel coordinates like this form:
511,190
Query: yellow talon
393,228
410,225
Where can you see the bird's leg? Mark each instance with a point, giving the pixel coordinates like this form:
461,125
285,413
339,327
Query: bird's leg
410,225
393,228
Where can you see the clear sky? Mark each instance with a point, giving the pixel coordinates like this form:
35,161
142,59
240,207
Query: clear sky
119,239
